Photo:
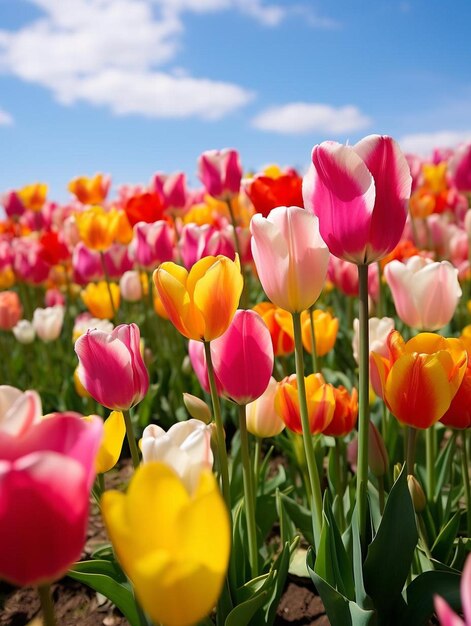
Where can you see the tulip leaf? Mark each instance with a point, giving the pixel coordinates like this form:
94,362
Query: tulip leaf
388,560
108,578
243,612
419,595
340,610
442,466
275,590
443,545
300,515
287,529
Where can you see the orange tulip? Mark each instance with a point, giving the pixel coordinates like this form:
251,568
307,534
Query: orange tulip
320,403
420,378
345,412
33,196
325,329
202,302
459,413
280,324
90,190
99,229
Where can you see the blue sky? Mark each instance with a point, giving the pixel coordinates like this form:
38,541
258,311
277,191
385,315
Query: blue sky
129,87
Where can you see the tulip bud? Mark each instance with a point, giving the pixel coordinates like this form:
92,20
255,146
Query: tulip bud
397,471
130,286
417,493
24,332
197,408
186,365
377,454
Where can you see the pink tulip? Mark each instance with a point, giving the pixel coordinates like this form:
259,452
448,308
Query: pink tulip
243,357
197,242
172,189
27,262
54,297
19,410
130,286
117,260
220,172
445,614
152,244
111,367
12,204
459,167
359,194
290,257
425,293
45,478
344,275
86,264
198,363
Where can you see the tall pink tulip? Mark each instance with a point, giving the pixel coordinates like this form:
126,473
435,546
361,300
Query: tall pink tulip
290,257
172,190
198,363
243,357
45,478
111,367
359,193
86,264
220,171
425,293
152,244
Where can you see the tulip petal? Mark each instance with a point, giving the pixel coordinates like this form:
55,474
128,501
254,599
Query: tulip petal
445,613
18,410
114,430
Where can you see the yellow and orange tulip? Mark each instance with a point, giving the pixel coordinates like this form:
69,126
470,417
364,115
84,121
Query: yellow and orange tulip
325,329
202,302
33,196
280,324
99,229
420,378
96,298
91,190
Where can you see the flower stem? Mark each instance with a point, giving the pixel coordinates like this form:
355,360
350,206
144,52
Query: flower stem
363,404
131,439
411,443
249,495
430,456
47,605
315,364
466,482
108,284
222,454
307,437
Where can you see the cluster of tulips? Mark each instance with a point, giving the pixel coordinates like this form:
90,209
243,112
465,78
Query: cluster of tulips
287,362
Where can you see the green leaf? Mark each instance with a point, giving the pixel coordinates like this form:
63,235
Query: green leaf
243,612
287,529
301,517
442,466
419,595
443,545
108,578
390,553
280,573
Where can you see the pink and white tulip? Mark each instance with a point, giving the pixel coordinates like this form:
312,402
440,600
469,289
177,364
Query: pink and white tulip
111,367
379,329
290,256
425,293
172,190
152,244
459,167
130,286
19,410
220,171
243,357
48,322
360,194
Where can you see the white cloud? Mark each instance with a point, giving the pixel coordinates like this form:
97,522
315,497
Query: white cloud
5,118
424,143
298,118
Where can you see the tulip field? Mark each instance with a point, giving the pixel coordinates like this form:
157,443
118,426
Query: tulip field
263,379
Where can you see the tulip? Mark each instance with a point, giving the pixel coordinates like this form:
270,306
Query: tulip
24,332
379,330
425,293
54,297
344,275
90,190
420,378
111,367
173,543
360,194
445,614
185,447
12,204
262,419
86,264
10,309
345,412
243,357
116,260
460,167
19,410
47,473
290,257
458,414
130,286
417,494
172,190
198,363
325,331
152,244
96,297
200,303
114,430
85,321
27,262
48,322
268,192
33,196
99,228
220,172
144,207
197,242
280,326
320,403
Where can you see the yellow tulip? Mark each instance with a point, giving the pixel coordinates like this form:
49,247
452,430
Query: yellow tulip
97,299
173,545
114,431
325,329
202,302
99,229
33,196
79,388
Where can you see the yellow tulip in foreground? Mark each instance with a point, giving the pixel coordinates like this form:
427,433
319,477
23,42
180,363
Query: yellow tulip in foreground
202,302
114,430
173,545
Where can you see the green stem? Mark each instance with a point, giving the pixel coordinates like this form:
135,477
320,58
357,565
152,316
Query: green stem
340,480
315,364
380,303
47,605
256,462
364,408
131,439
222,454
466,481
430,457
108,283
411,443
316,508
243,298
249,495
381,493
